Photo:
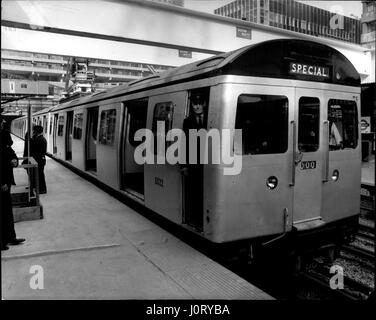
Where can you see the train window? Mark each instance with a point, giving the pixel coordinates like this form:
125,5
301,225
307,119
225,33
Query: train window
162,112
50,125
107,127
60,126
309,122
263,120
45,124
343,124
77,125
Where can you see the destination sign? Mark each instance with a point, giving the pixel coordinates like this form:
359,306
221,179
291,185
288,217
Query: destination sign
309,70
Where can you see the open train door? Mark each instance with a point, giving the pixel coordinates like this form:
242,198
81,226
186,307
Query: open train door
309,159
91,139
132,173
69,136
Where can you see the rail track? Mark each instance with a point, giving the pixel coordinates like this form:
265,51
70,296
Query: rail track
366,232
319,273
357,261
319,279
359,251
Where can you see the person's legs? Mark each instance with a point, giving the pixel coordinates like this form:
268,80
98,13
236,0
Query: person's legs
42,180
10,233
7,222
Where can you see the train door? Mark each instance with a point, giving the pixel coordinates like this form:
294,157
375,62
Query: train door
263,190
55,133
308,159
68,136
132,173
342,174
91,139
163,178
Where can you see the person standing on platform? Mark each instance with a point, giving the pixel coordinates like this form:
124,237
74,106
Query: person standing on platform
38,149
8,160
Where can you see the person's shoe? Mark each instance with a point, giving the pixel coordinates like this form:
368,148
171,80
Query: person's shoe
43,192
3,248
16,241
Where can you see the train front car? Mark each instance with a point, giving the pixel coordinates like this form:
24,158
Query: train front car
297,104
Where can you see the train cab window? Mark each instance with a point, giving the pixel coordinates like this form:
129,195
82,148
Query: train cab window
163,112
77,126
60,126
309,123
263,120
343,124
107,127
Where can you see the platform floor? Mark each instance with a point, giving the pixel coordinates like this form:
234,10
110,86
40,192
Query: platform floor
92,246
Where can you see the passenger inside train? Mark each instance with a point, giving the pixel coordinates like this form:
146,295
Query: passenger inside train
335,129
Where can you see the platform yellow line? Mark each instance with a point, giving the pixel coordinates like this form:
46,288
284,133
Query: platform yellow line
52,252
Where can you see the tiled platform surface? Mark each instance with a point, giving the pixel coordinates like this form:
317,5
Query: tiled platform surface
91,246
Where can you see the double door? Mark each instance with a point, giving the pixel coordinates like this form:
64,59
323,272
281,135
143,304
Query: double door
325,177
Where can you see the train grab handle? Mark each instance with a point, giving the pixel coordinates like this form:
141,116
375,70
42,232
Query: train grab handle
326,150
285,225
293,128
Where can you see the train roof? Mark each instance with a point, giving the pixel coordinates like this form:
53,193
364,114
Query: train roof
44,110
281,58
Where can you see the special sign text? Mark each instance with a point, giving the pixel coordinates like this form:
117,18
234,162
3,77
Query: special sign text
309,70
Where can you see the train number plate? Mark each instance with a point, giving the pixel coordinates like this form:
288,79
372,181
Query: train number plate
158,181
307,165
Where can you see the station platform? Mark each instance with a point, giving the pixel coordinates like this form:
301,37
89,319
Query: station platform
92,246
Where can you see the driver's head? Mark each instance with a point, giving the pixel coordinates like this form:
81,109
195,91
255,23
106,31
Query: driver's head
198,104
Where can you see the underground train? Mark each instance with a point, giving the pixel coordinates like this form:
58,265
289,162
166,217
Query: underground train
279,100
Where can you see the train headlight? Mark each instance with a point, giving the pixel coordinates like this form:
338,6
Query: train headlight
272,182
335,175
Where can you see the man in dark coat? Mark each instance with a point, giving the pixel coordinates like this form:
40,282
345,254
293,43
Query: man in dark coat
38,149
8,160
194,173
